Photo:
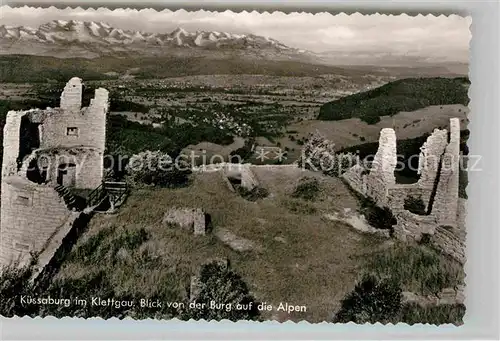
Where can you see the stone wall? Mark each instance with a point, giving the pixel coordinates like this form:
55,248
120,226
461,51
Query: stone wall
88,170
411,227
11,134
54,242
381,174
71,97
446,200
444,215
85,127
450,241
30,215
234,171
397,194
356,179
429,161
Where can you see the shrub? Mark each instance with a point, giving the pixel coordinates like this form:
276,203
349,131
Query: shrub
318,154
254,194
371,301
157,168
224,287
307,189
15,283
380,218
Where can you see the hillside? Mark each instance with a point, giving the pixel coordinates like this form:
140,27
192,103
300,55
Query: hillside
397,96
29,69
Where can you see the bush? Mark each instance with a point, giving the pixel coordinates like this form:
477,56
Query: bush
380,218
227,289
319,154
157,168
254,194
371,301
307,189
15,283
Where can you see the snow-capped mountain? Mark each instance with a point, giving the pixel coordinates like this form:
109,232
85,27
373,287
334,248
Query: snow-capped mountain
100,38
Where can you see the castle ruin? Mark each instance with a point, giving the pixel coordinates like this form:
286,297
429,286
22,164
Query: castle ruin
47,154
442,217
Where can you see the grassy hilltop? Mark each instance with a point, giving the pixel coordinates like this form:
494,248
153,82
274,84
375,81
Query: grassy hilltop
401,95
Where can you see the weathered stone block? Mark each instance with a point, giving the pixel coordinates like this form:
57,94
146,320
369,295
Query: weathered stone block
192,219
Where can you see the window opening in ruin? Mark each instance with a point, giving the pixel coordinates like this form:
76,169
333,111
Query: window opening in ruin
208,222
88,94
23,200
29,139
66,174
72,131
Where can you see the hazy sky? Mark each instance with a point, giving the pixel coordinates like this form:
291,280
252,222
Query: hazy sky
437,38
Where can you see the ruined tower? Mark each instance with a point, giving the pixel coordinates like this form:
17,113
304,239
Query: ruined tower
381,175
71,98
429,162
46,154
446,199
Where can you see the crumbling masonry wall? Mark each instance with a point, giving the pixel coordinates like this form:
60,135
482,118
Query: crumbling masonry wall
381,175
429,160
446,200
30,215
11,134
439,163
32,211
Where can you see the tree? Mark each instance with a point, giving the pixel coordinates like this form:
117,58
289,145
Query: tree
225,295
371,301
319,154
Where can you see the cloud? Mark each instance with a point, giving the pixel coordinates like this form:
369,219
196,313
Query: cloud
425,36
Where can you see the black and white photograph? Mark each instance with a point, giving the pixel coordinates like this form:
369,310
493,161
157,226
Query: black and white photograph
220,165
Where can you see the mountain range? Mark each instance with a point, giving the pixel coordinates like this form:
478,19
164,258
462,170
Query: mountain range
73,38
92,40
